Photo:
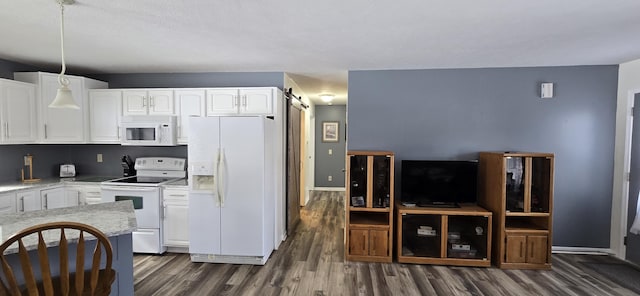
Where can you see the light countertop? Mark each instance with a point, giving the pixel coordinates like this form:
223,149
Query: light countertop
115,218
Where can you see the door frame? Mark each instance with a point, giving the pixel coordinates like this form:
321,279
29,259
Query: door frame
619,212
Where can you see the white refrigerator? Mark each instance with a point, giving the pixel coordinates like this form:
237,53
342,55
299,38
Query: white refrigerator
232,173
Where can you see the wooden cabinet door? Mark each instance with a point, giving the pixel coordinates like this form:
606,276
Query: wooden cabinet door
160,102
378,243
537,249
516,249
359,242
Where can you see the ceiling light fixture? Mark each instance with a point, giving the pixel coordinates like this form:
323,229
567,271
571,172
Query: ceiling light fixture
327,98
63,98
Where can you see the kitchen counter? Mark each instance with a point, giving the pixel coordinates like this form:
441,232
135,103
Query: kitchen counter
179,184
113,219
117,220
44,183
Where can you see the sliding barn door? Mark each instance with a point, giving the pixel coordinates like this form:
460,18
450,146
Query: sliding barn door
293,168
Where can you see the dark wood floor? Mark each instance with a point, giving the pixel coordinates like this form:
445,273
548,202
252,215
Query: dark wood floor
311,262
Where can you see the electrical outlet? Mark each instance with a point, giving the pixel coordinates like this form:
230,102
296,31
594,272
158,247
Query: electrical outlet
99,157
330,178
330,151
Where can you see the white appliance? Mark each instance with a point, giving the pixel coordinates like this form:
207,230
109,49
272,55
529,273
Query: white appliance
67,170
144,191
232,175
149,130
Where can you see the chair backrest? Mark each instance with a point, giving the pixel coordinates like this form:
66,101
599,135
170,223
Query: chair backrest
95,281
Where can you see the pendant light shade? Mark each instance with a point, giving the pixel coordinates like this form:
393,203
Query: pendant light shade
63,98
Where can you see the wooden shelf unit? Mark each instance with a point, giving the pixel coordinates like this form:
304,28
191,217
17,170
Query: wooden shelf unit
369,206
438,248
518,189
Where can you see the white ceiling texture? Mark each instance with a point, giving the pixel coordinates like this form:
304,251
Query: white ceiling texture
317,42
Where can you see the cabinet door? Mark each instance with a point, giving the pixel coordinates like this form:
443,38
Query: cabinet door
176,224
537,249
160,102
256,101
7,203
516,249
378,243
18,112
90,195
28,201
189,103
222,102
359,242
134,102
53,198
61,125
105,109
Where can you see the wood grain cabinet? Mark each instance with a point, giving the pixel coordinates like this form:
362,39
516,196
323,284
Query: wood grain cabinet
518,189
369,204
449,236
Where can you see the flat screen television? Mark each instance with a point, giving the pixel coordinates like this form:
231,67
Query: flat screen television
444,183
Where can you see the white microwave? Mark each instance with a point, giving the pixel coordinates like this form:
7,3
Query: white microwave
148,130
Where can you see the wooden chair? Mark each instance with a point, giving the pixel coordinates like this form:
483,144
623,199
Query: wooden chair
95,281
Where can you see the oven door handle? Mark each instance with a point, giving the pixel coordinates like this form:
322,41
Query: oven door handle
129,188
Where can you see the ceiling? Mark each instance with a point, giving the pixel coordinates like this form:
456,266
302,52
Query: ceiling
318,42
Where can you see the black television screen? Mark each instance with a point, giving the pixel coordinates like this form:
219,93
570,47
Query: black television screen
438,182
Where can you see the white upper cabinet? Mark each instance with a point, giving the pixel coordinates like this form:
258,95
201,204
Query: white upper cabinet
60,125
189,102
17,112
233,101
147,102
105,109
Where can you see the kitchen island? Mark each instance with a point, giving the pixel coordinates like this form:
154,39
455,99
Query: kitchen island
117,220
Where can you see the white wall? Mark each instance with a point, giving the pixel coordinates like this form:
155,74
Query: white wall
628,85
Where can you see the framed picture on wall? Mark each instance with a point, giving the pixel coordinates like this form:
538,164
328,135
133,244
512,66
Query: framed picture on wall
330,131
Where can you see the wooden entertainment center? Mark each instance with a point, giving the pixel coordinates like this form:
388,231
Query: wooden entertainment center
450,236
511,225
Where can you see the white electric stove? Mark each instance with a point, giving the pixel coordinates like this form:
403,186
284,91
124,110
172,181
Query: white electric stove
145,193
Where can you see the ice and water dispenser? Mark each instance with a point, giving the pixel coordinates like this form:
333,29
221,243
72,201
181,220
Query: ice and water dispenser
203,177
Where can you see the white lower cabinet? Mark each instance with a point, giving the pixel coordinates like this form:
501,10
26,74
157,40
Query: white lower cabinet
28,201
90,194
55,198
176,219
7,203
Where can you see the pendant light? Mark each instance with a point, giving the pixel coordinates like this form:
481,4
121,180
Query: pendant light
63,98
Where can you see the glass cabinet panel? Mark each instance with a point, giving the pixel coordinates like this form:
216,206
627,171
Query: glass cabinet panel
540,184
381,181
421,235
358,180
515,184
467,237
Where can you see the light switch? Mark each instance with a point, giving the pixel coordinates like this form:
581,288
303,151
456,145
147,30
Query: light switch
330,151
330,178
99,157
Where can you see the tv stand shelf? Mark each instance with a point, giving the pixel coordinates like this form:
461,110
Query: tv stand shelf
448,236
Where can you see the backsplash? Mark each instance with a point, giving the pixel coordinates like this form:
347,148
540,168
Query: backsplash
48,158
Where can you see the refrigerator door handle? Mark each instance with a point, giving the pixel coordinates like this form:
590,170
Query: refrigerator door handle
222,177
218,178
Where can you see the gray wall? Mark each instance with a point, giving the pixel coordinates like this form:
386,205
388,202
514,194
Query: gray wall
218,79
8,67
455,113
330,165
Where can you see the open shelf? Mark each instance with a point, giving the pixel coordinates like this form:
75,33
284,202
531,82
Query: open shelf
373,218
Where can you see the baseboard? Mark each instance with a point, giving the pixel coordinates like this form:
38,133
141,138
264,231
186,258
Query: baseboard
580,250
329,189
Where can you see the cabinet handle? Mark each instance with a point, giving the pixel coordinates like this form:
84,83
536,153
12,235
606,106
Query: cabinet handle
152,102
6,129
45,202
235,101
144,101
522,249
45,130
531,250
118,132
22,204
244,100
164,212
364,239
